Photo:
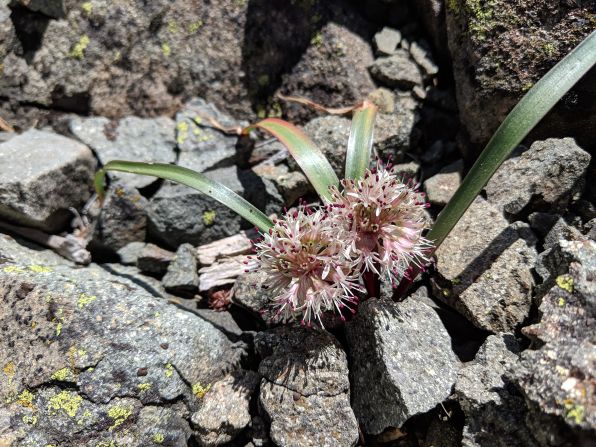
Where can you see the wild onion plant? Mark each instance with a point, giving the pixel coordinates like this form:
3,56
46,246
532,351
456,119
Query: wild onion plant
326,258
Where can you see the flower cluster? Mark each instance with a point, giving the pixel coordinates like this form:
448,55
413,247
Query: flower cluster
315,258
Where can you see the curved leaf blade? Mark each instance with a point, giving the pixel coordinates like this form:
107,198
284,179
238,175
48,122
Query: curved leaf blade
188,177
308,156
361,141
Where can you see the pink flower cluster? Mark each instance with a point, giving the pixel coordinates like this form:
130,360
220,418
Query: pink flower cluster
315,258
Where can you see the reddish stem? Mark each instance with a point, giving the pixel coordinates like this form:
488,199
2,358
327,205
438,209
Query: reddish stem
372,284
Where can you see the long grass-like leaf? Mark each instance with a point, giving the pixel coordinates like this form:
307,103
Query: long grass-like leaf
536,103
308,156
360,141
190,178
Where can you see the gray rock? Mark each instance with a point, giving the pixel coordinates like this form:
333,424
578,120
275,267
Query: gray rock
384,99
222,273
420,52
122,219
129,254
402,361
182,277
489,266
41,175
494,413
330,134
131,139
132,275
546,177
91,358
225,410
561,231
53,8
251,294
332,71
179,214
408,170
396,71
154,260
201,146
8,38
441,187
238,244
305,388
394,132
291,184
386,41
557,376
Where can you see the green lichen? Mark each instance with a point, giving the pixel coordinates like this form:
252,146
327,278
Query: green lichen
118,415
561,302
565,282
58,329
31,420
78,49
575,412
39,269
182,128
158,438
13,269
209,217
172,26
10,370
165,49
263,80
87,7
195,26
550,49
86,416
65,401
146,386
25,399
63,375
169,370
85,300
200,391
317,39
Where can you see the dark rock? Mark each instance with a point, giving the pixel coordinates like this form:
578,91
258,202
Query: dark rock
494,413
201,146
131,139
305,388
53,8
332,71
402,362
494,64
251,294
225,410
432,15
122,219
561,231
386,41
557,377
91,358
407,171
42,175
395,132
129,254
179,214
154,260
546,177
396,71
441,187
489,265
182,277
422,56
291,184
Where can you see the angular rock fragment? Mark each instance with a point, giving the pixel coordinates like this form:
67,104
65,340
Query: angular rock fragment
154,260
545,177
386,41
489,265
251,294
182,277
441,187
222,273
397,71
42,175
131,139
129,254
305,388
402,362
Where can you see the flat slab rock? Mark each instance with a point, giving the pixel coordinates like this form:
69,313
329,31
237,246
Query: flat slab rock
90,358
402,362
305,388
41,175
489,266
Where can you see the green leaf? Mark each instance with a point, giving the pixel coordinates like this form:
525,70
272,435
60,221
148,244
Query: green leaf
308,156
190,178
516,126
360,141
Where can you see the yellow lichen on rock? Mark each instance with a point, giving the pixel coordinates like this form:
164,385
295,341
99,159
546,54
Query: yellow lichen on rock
66,401
200,391
565,282
118,415
85,299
